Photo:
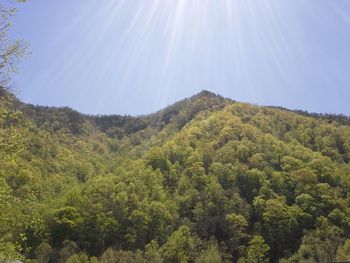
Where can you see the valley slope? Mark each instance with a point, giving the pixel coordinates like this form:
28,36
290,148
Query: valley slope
207,178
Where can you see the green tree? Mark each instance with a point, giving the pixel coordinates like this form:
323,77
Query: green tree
257,251
43,253
11,51
343,252
321,244
237,229
210,255
181,246
12,139
81,258
65,224
153,253
281,227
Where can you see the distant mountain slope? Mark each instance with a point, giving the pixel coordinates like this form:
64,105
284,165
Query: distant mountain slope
180,113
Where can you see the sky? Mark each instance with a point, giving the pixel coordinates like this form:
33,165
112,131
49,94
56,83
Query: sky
138,56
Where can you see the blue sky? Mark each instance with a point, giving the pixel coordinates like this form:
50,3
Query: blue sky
137,56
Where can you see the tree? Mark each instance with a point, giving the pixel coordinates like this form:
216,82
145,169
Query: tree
12,143
321,244
237,228
11,51
152,253
157,160
343,253
64,224
210,255
12,139
119,256
69,249
281,227
257,251
81,258
181,246
43,253
250,182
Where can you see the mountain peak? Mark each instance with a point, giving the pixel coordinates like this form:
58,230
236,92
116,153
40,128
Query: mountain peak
205,93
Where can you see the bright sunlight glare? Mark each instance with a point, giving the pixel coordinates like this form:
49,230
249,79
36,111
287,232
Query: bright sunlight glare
155,52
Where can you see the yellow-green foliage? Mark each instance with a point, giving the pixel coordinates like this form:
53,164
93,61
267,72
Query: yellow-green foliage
205,180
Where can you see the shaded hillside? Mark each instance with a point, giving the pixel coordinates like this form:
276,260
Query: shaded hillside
204,178
179,114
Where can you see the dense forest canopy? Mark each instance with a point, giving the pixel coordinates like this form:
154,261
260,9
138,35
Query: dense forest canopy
207,179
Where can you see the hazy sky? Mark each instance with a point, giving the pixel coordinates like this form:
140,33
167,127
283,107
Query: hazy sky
137,56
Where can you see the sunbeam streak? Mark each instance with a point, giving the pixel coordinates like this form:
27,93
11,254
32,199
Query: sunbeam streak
257,51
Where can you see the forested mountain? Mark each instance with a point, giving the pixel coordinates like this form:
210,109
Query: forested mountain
207,179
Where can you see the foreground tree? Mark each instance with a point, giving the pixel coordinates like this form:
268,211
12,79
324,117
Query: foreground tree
12,141
11,51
